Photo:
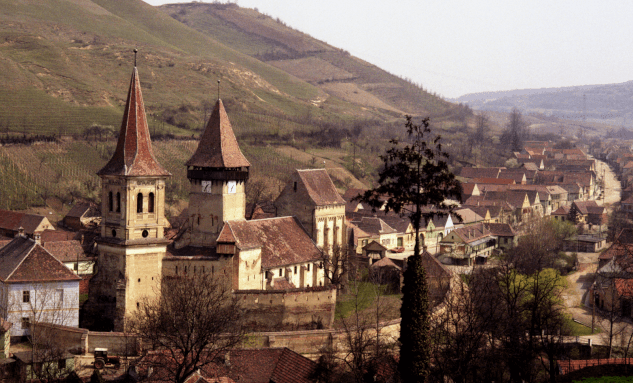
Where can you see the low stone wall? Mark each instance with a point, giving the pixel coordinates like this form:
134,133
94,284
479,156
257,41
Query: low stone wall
306,308
117,343
310,342
82,341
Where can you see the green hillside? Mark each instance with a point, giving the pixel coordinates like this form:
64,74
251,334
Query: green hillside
294,101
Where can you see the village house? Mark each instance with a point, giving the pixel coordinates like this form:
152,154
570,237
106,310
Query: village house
506,236
12,221
81,216
373,229
36,287
468,245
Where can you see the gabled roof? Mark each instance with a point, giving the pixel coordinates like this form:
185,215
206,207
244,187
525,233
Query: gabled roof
23,260
218,147
500,229
469,188
583,206
472,233
495,181
433,267
79,210
263,365
479,172
530,166
374,226
563,210
13,220
469,215
320,187
66,251
385,262
283,241
133,155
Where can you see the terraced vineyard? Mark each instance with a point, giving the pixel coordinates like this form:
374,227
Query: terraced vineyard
65,171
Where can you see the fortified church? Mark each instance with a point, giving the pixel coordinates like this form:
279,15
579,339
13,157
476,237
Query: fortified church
279,258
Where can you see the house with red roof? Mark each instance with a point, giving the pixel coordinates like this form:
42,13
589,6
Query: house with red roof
12,221
36,287
468,245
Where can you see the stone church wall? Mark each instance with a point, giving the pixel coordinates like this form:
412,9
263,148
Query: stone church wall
306,308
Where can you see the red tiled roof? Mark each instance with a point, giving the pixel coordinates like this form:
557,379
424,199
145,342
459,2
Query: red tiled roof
468,188
500,229
472,233
374,226
479,172
320,187
23,260
66,251
133,155
283,240
218,147
79,210
433,267
563,210
265,365
13,220
385,262
58,235
498,181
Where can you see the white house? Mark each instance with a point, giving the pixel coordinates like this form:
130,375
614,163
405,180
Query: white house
36,287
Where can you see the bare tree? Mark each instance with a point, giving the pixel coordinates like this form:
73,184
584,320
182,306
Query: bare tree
516,131
481,128
363,345
336,265
195,319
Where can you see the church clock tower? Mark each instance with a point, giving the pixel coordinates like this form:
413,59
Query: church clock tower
131,246
218,172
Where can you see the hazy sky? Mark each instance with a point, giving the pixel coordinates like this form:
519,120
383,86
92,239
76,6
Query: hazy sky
454,47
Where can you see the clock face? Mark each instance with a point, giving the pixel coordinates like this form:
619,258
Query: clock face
232,186
206,186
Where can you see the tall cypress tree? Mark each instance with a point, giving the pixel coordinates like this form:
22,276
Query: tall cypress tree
415,182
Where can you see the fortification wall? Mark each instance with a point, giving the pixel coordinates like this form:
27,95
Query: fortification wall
81,341
311,307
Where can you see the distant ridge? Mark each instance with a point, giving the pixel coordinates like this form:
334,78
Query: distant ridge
609,104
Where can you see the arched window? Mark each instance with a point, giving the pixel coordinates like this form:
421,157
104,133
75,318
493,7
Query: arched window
110,201
139,203
118,202
150,203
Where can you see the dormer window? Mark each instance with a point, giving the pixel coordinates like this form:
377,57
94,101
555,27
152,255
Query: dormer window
295,186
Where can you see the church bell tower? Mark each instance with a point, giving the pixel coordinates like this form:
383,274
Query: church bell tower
132,245
217,172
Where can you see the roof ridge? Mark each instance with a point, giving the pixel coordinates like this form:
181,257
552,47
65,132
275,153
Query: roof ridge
23,258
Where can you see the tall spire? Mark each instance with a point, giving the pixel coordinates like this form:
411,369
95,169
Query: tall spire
218,146
133,155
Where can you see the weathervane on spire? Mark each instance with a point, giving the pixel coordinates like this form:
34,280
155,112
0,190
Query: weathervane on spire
218,89
135,52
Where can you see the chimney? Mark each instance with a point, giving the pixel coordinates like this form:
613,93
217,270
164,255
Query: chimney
38,238
20,232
